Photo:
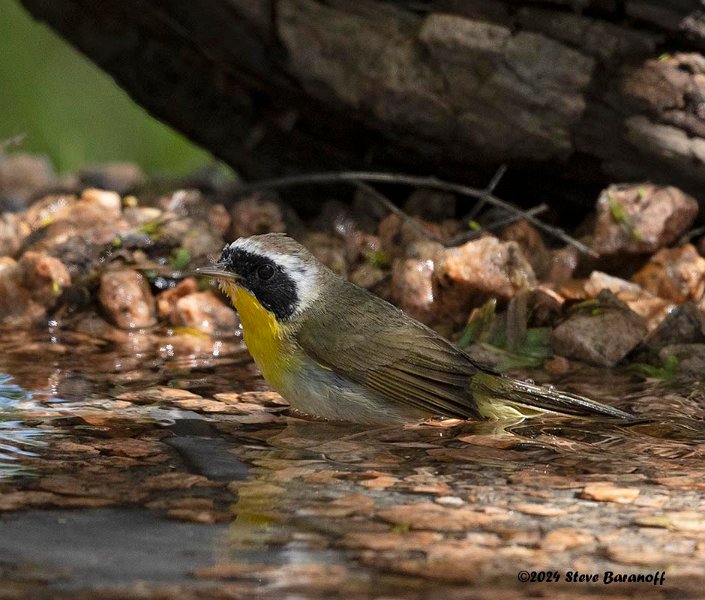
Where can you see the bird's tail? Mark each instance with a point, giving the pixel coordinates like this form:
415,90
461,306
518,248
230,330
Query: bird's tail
501,397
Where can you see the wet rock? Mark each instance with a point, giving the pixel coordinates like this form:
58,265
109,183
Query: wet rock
605,491
205,312
107,202
257,214
676,274
121,177
98,328
685,324
531,244
43,276
16,305
195,344
691,358
138,216
412,287
431,516
601,332
562,265
565,538
686,520
23,176
75,231
652,308
412,280
166,300
126,298
13,231
194,235
641,218
49,209
467,276
329,249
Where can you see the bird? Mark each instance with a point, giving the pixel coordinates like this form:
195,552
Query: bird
336,351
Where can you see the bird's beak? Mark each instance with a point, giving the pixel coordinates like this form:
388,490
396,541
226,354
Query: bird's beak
217,272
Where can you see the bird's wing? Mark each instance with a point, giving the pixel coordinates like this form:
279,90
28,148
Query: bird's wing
406,362
400,359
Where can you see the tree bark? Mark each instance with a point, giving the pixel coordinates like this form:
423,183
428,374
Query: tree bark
589,91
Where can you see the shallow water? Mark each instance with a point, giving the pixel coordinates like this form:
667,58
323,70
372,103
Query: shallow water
215,492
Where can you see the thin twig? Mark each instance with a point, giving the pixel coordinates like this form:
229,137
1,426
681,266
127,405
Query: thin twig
393,208
466,236
491,186
416,181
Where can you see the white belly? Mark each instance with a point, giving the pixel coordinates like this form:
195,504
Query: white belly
318,391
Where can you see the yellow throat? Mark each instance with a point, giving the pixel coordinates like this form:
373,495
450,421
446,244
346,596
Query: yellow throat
262,333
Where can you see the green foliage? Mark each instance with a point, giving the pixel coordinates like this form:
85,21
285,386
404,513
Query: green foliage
72,111
180,259
377,258
479,325
531,350
623,218
668,371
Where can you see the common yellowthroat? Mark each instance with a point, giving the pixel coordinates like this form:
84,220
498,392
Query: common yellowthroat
334,350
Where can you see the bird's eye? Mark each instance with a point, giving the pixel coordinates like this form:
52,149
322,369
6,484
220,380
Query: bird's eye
265,272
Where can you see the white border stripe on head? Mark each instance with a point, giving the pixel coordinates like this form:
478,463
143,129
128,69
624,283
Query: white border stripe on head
302,274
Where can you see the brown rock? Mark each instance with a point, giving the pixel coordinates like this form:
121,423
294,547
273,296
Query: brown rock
205,312
428,515
605,491
685,324
21,306
99,328
21,177
138,216
545,306
107,202
564,538
562,265
676,274
367,276
48,209
121,177
44,276
396,234
256,214
219,218
641,218
194,235
648,306
469,275
329,249
412,287
691,358
126,298
540,510
13,231
687,521
166,300
599,332
531,244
